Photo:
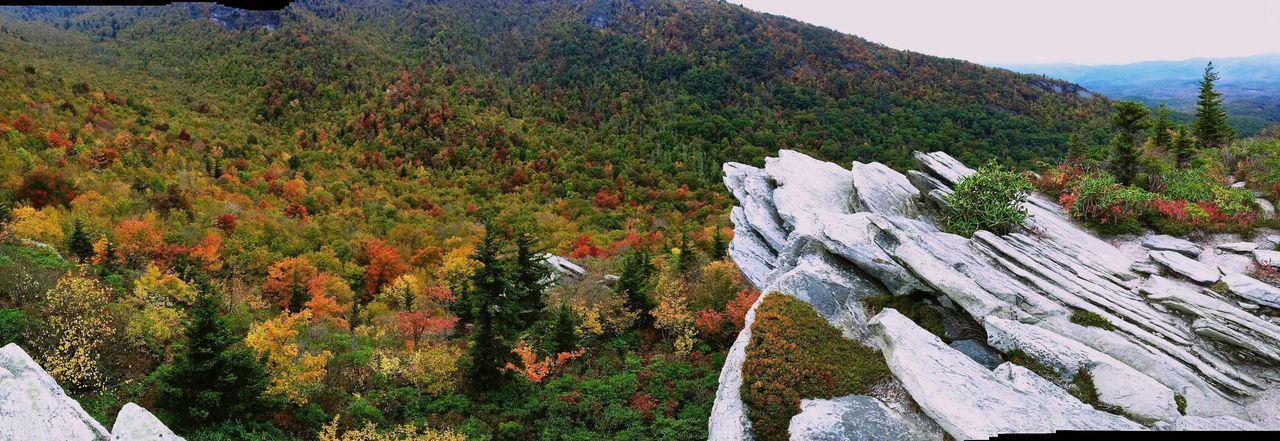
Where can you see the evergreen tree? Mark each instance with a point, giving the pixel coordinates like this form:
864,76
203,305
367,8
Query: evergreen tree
492,309
1183,150
529,276
718,246
1211,128
210,380
1162,129
79,244
1130,119
637,271
1077,149
564,338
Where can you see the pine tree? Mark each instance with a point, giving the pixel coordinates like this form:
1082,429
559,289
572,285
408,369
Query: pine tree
1183,149
1161,130
530,276
79,244
634,281
718,247
1211,127
491,308
1130,119
1077,149
564,338
210,379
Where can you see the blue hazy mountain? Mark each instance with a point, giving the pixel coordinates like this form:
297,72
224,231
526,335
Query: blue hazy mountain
1251,85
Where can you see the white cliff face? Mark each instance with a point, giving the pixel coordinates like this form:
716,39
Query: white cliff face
832,237
33,408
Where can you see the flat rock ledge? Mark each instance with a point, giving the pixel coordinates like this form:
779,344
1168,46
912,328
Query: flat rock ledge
33,407
833,236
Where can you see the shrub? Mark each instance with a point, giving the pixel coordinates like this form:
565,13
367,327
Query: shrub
793,354
1181,402
1110,206
1083,387
990,199
1020,358
1086,318
1191,184
913,307
43,187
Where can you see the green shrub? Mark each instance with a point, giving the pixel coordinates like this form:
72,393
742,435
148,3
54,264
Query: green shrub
1106,204
1087,318
13,325
1083,387
913,307
793,354
1020,358
1181,401
1189,184
990,199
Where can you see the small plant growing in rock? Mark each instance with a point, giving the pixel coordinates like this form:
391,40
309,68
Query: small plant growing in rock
990,199
1086,318
1083,387
913,307
1020,358
1181,402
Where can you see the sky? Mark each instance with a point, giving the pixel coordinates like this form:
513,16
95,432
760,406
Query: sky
1005,32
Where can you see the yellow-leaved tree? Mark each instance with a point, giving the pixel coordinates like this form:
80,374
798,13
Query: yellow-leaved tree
369,432
43,225
156,300
78,329
295,373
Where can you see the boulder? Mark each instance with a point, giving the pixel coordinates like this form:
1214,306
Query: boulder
1267,257
1231,263
1118,384
1186,267
562,267
881,190
978,352
1216,319
1238,247
943,166
1162,242
853,417
970,402
1268,210
34,407
1253,290
134,423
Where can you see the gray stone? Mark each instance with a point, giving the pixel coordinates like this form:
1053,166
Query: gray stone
1216,319
970,402
853,417
1186,267
978,352
1238,247
1169,243
881,190
34,407
1145,267
1268,209
1267,257
1253,290
943,166
562,267
1221,423
134,423
1233,263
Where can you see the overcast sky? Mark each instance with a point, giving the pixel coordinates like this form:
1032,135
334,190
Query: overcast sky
1037,31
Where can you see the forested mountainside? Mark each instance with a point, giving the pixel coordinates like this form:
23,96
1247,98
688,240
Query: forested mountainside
344,203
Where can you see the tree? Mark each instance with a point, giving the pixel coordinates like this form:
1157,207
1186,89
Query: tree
79,244
210,380
288,282
1211,127
634,282
530,276
77,331
718,246
1129,119
1077,148
1161,129
1183,148
564,336
294,371
490,308
384,266
44,187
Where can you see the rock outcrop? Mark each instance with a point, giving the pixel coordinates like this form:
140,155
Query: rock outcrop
833,236
33,407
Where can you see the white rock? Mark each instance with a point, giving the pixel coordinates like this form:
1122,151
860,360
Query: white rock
1233,263
854,417
1169,243
1118,384
1238,247
970,402
1216,319
33,406
1267,257
881,190
1186,267
1253,290
562,266
1222,423
1268,210
943,167
134,423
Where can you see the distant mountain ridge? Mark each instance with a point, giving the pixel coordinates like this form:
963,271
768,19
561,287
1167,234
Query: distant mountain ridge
1251,85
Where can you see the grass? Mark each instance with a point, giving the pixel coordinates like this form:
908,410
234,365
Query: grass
1086,318
1083,387
913,307
794,354
1020,358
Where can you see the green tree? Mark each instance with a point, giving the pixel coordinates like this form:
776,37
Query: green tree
1211,128
79,244
211,379
1077,148
564,338
1162,129
718,246
1183,149
529,278
634,282
493,311
1129,119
